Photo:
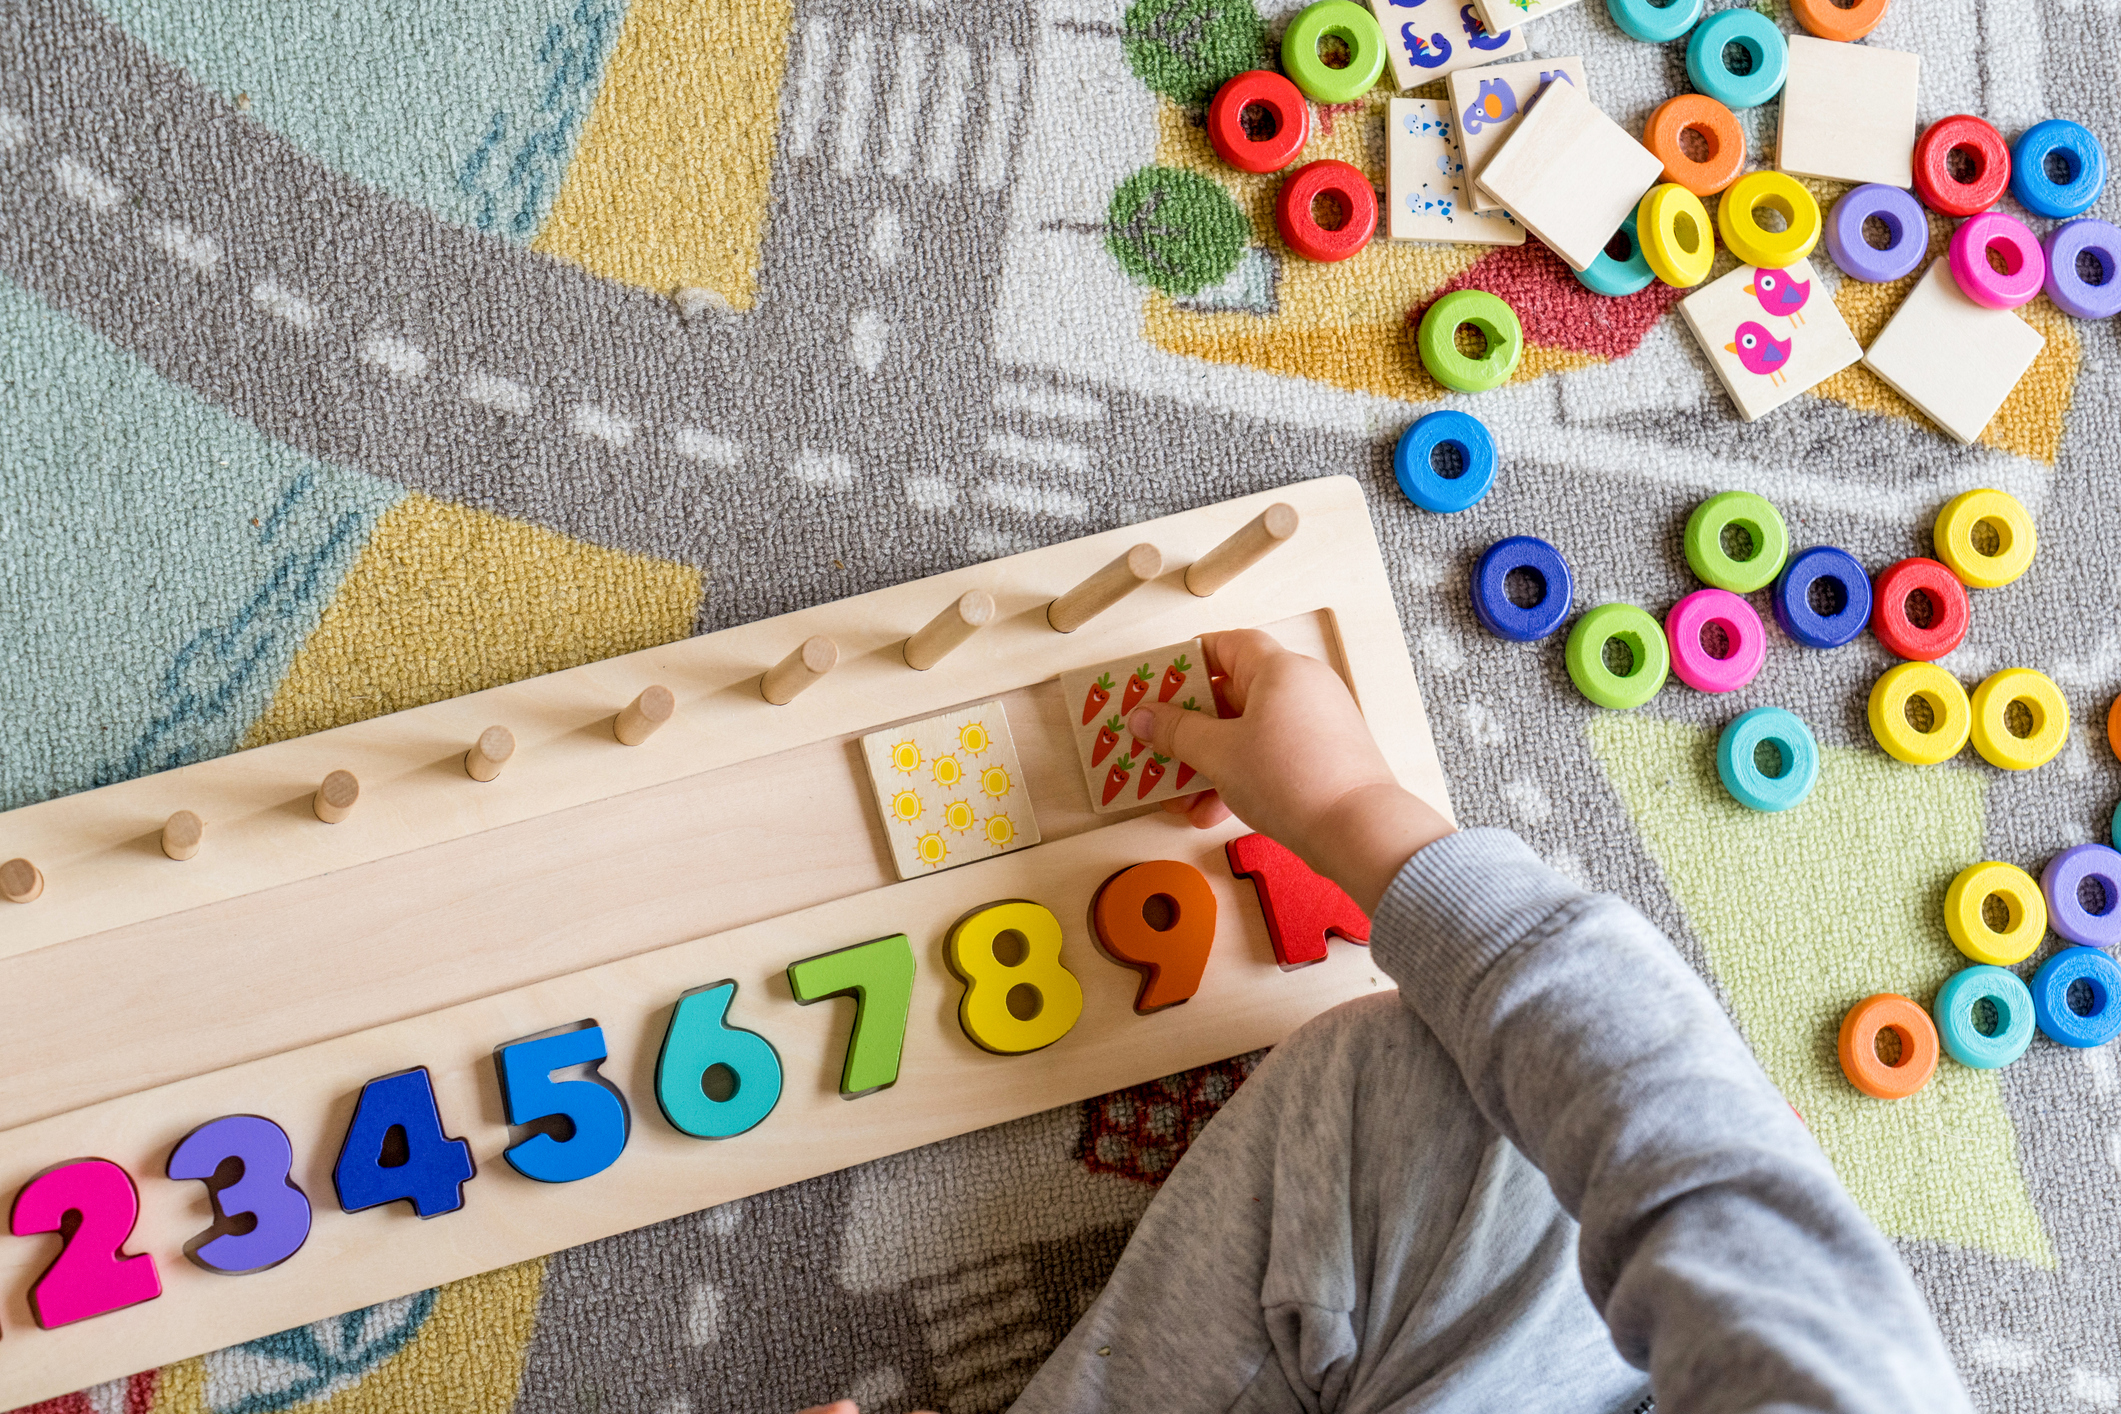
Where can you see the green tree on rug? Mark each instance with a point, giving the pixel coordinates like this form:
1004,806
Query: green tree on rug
1175,230
1184,49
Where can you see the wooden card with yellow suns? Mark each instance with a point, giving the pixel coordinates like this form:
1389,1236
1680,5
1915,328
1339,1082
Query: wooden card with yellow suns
950,789
1121,770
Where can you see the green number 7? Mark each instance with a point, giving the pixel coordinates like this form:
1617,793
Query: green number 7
879,975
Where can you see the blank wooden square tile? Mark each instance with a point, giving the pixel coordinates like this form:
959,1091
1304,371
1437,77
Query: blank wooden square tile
1769,341
1570,174
1503,14
1428,39
1954,359
1486,104
1848,113
950,789
1425,182
1121,770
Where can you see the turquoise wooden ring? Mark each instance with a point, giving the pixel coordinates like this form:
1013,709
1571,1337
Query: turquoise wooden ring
1651,23
1965,1042
1792,740
1607,276
1762,42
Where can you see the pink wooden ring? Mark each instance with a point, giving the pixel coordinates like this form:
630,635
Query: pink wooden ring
1692,662
2025,263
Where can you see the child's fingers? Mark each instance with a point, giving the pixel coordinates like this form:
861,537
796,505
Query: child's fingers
1236,656
1195,738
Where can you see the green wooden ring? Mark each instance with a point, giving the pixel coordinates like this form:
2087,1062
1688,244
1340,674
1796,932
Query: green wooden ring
1704,542
1437,341
1644,637
1353,26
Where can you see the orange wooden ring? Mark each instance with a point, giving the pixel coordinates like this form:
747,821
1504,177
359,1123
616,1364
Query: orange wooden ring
2113,726
1829,21
1718,127
1888,1011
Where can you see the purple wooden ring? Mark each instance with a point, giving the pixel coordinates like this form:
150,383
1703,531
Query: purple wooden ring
1903,217
2066,287
2066,913
1983,283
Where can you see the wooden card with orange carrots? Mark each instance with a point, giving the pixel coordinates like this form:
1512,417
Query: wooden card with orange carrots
1122,770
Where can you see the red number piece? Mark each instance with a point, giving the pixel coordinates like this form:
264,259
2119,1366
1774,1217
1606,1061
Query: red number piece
89,1276
1171,957
1302,908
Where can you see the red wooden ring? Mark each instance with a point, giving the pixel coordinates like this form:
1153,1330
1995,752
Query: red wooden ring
1934,183
1226,122
1949,612
1302,234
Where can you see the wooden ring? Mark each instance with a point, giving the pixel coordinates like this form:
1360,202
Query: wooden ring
1829,21
1718,127
1858,1046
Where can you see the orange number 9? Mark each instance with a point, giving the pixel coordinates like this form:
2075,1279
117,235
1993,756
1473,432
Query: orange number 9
1170,946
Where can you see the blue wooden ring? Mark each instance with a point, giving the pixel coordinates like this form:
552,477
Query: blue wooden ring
1427,488
1494,608
1757,33
1607,276
2041,194
1747,783
1792,597
2061,1023
1653,24
1954,1010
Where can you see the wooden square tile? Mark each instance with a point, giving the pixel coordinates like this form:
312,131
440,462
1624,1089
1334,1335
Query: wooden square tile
1954,359
1768,345
1425,185
1570,175
950,789
1848,113
1428,39
1502,14
1120,770
1487,103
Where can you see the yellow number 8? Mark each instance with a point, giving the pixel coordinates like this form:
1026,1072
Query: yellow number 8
1013,1006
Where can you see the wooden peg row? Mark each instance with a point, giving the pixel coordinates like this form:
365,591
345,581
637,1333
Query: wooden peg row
1259,537
967,614
335,798
181,834
638,722
1105,588
489,753
817,657
20,881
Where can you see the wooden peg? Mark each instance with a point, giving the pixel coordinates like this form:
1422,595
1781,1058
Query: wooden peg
1258,538
20,881
1105,588
489,753
644,714
336,797
965,617
181,834
799,669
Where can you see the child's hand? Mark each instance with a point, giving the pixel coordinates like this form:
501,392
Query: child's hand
1299,764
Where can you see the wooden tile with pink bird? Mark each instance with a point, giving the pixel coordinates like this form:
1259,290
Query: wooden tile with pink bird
1769,334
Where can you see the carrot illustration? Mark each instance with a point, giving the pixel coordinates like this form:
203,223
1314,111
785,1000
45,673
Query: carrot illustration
1174,678
1152,772
1116,778
1185,773
1095,699
1137,687
1107,738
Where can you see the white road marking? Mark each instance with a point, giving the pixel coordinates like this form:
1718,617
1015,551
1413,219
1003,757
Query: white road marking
108,1397
2002,1353
1441,649
1047,402
14,131
183,245
1034,500
856,95
930,493
278,300
815,468
981,1359
904,108
868,335
2100,1062
2113,1150
696,445
86,185
500,394
974,1326
1005,83
400,358
1529,800
703,1314
1044,453
806,110
946,116
589,420
2091,1387
880,1386
1483,725
887,239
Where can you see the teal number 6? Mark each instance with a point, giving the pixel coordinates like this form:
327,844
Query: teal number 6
714,1080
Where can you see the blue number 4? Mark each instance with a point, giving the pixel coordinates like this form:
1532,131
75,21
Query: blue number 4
433,1169
595,1112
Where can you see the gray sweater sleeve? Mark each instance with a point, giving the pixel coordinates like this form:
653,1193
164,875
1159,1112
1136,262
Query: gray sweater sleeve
1717,1243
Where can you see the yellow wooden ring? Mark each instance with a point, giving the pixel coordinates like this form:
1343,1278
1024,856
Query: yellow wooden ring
2050,710
1673,231
2022,900
1954,534
1754,243
1947,703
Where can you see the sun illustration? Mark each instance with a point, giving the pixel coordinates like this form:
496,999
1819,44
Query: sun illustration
958,815
906,806
947,771
906,756
995,781
930,848
973,737
1001,831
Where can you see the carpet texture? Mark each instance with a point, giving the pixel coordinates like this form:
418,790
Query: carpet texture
359,357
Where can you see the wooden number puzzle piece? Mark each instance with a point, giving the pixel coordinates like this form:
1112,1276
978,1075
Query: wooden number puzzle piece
1011,1007
1570,174
1427,39
1426,185
703,1054
950,789
1954,359
435,1168
1119,768
879,976
91,1274
279,1211
1848,113
594,1110
1769,334
1172,954
1486,104
1302,908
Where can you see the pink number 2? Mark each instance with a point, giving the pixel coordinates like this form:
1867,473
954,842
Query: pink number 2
89,1276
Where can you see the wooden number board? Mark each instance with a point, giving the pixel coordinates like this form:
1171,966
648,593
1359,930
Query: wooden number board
302,996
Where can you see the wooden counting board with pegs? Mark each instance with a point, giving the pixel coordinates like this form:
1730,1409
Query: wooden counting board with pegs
673,877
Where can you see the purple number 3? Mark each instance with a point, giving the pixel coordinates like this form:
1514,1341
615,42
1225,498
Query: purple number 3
263,1190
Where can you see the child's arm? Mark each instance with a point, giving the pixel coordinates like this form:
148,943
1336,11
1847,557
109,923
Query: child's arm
1717,1243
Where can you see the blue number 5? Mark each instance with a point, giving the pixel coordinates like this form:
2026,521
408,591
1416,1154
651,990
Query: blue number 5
528,1093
